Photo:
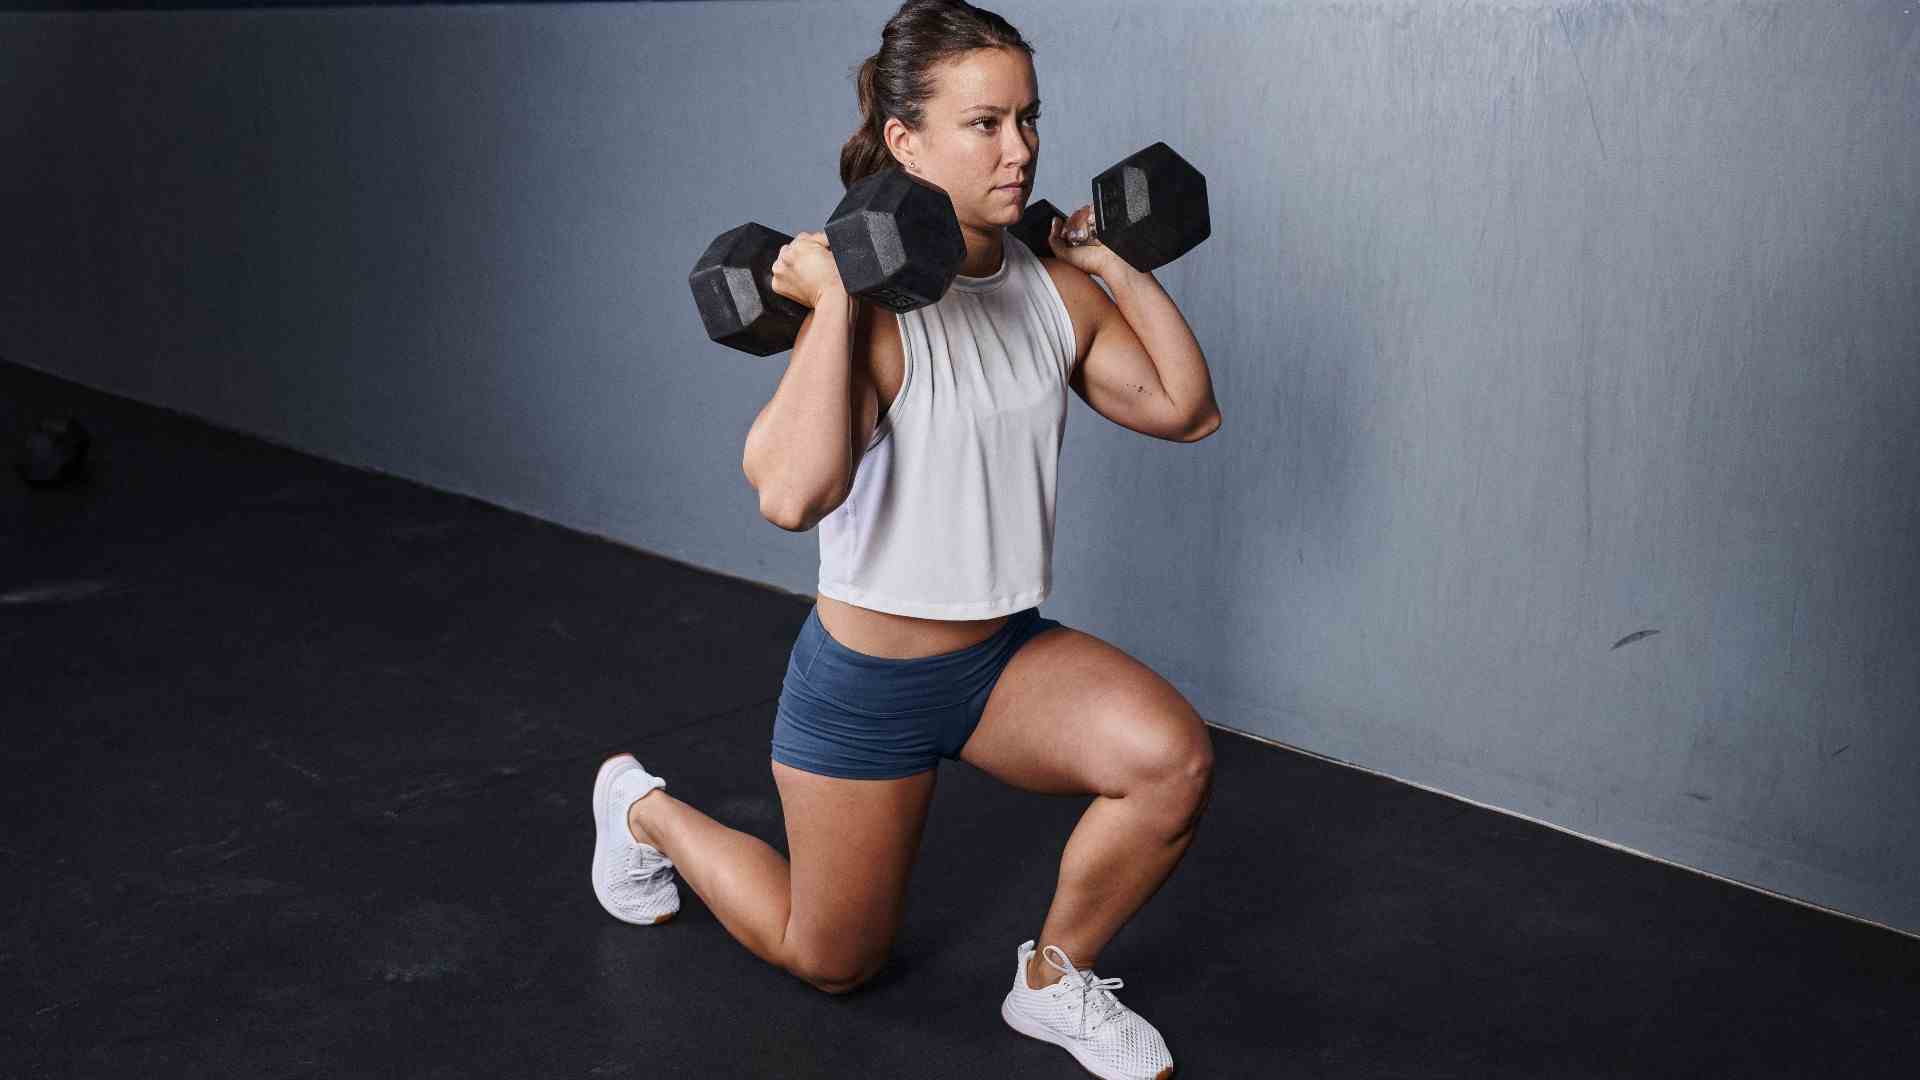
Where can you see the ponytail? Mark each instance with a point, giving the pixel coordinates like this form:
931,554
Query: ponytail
866,151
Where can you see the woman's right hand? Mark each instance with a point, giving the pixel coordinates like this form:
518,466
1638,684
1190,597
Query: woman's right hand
804,270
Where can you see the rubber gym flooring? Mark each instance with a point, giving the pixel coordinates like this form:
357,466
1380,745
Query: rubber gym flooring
296,777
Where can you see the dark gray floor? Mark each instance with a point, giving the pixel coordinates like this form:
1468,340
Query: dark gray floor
296,779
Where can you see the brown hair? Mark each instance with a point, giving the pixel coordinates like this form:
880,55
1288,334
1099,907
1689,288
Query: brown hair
898,80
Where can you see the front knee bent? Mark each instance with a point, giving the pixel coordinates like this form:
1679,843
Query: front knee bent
1180,786
1186,769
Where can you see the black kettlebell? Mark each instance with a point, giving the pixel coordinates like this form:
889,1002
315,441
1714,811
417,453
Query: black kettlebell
54,453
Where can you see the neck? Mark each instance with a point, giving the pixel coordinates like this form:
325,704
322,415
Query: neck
984,249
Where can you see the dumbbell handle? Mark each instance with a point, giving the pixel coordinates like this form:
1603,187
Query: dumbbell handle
1036,225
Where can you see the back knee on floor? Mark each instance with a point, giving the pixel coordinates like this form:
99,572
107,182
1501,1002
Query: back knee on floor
840,985
837,989
836,978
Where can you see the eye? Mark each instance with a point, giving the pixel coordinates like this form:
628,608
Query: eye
1032,119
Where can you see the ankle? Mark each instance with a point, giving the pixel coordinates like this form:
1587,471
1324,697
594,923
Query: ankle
642,808
1040,976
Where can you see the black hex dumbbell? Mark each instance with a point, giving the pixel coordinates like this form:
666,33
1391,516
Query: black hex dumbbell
1150,208
895,239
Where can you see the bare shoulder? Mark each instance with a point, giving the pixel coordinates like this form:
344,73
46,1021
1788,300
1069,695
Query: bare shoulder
1087,303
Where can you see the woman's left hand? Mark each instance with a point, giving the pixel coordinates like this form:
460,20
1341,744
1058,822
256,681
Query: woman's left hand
1073,242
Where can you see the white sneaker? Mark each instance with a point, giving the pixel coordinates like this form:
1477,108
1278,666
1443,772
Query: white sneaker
1081,1014
634,881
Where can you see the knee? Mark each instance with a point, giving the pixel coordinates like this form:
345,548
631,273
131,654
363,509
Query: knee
1182,761
1196,781
1179,776
836,978
846,986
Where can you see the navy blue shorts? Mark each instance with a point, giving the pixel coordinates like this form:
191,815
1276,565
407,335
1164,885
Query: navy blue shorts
844,713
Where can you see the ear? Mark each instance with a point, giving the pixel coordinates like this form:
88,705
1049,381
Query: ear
900,139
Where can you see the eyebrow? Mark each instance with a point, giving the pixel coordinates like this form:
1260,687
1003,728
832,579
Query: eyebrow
993,109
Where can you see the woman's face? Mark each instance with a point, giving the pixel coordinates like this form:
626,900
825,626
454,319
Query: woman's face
979,135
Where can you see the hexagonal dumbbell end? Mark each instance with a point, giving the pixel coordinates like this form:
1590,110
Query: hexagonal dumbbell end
896,240
1151,207
733,288
1033,227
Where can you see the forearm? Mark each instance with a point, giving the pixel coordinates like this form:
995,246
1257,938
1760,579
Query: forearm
1164,334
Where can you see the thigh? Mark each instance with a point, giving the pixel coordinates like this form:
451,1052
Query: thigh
851,845
1073,715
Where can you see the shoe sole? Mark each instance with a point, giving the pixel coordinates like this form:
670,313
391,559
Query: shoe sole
602,781
1033,1029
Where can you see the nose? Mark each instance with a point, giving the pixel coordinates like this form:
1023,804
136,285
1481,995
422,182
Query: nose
1015,149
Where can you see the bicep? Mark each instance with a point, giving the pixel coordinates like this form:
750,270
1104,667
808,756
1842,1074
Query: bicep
1112,372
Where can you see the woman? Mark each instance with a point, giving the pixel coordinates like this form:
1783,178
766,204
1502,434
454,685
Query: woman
924,445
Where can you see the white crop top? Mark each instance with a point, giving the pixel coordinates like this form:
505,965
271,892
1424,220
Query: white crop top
951,511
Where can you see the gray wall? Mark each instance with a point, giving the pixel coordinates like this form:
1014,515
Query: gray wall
1534,325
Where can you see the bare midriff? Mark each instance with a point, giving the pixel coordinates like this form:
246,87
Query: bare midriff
900,637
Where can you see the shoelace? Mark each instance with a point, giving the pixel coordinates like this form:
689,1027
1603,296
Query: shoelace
1094,993
642,867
